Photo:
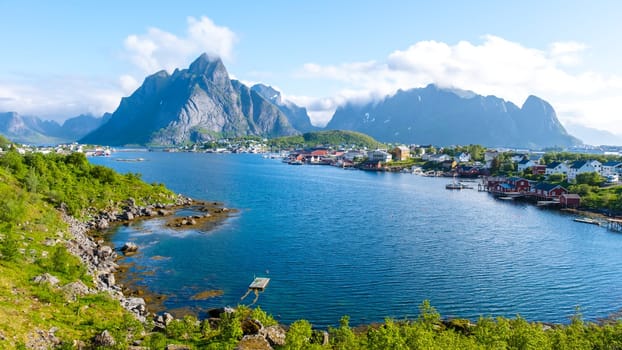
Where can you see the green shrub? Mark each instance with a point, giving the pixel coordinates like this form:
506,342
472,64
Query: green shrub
298,336
184,329
9,246
230,326
261,316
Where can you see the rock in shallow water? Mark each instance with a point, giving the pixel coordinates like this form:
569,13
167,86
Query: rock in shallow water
129,247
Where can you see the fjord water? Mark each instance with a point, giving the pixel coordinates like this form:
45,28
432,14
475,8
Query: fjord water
367,244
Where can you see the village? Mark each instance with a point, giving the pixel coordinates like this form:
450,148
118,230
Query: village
536,177
553,179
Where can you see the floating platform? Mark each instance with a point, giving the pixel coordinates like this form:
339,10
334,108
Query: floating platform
546,203
588,221
260,283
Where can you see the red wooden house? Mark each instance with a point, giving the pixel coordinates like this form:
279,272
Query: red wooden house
570,200
520,184
548,191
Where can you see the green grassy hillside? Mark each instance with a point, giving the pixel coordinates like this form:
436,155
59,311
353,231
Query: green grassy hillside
44,315
326,138
32,242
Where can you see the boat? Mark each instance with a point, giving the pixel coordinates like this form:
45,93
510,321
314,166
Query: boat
454,186
586,220
295,162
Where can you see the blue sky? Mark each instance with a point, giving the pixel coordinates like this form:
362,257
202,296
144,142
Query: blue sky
63,58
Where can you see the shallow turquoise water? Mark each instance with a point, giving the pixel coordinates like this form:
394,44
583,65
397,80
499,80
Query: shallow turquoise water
369,245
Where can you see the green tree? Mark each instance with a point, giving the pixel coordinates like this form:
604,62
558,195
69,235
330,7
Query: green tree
14,162
387,336
183,329
298,335
592,179
4,143
428,315
32,180
556,178
60,260
477,152
343,338
230,327
9,246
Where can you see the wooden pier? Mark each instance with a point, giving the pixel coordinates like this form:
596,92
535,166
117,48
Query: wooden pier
614,224
260,283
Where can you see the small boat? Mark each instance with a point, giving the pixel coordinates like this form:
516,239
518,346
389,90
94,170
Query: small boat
588,221
295,162
454,186
457,185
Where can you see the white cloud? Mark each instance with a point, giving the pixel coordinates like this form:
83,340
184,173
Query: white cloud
128,83
158,49
57,98
567,53
493,67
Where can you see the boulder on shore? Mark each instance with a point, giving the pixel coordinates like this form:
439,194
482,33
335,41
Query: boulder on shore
275,335
46,278
253,342
104,339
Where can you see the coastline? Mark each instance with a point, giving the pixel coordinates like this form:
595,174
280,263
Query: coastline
101,259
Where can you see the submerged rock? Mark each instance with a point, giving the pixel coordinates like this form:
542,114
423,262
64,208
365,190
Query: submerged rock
129,247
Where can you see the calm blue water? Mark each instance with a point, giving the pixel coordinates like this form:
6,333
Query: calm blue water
369,245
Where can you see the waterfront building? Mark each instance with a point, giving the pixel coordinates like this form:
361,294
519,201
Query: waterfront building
556,168
583,166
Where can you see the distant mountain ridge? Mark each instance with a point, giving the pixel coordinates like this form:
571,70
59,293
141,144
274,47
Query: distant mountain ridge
33,130
434,115
202,103
297,116
191,105
593,136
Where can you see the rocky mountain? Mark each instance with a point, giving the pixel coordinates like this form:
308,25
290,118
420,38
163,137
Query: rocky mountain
195,104
33,130
439,116
78,127
297,116
593,136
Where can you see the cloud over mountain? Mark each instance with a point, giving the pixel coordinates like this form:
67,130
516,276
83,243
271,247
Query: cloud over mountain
58,96
495,66
158,49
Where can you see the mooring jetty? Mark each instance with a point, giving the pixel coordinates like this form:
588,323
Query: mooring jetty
259,284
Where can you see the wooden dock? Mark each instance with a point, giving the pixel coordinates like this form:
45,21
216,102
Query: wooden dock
260,283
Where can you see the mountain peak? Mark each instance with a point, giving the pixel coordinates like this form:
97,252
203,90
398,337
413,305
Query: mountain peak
206,65
192,105
534,103
450,116
268,92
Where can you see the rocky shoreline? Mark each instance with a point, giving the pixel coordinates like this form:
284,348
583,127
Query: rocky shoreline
101,260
